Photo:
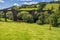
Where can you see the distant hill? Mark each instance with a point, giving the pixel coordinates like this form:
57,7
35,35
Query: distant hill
50,5
39,6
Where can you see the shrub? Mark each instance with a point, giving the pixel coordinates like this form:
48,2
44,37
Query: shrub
35,16
53,20
39,22
59,21
21,14
25,16
9,15
28,18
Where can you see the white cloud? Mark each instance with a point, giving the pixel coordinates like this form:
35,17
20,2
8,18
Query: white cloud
56,0
29,3
24,0
1,1
16,4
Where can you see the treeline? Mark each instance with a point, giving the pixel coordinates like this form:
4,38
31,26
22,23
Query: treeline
41,18
38,5
47,17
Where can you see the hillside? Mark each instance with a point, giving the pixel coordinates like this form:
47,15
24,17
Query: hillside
42,5
50,5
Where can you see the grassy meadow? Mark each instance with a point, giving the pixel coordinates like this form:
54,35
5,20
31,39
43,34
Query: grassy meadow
11,30
27,31
49,6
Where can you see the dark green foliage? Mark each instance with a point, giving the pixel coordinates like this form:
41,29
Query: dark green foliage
39,16
1,14
21,14
39,22
43,18
25,16
10,15
35,16
54,21
59,20
42,5
54,18
46,16
28,18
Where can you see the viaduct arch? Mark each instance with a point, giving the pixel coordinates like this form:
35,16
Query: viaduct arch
15,12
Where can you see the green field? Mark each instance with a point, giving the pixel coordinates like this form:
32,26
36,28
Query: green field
49,6
29,9
27,31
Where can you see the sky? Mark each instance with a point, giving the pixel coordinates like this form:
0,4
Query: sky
9,3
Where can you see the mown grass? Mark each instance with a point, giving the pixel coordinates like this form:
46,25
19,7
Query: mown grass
27,31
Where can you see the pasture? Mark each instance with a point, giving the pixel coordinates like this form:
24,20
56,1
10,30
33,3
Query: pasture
27,31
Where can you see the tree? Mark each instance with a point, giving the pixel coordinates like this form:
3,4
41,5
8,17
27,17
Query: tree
25,16
16,7
59,21
35,16
41,18
21,14
1,15
10,15
42,5
46,16
28,18
54,18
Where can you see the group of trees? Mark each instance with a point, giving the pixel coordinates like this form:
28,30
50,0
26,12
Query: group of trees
52,17
29,6
47,17
25,16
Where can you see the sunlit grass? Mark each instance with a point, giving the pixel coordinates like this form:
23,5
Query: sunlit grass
49,6
27,31
29,9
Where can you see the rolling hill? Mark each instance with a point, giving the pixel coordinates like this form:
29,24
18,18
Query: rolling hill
50,5
38,6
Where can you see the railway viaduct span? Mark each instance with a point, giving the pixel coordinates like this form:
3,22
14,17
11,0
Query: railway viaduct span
15,12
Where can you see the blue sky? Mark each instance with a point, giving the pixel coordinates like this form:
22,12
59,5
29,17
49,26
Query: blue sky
9,3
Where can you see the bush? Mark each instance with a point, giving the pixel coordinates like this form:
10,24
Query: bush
59,20
35,16
25,16
39,22
9,15
28,18
21,14
41,18
53,20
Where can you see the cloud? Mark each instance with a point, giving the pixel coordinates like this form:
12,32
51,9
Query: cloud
29,3
16,4
24,0
1,1
56,0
